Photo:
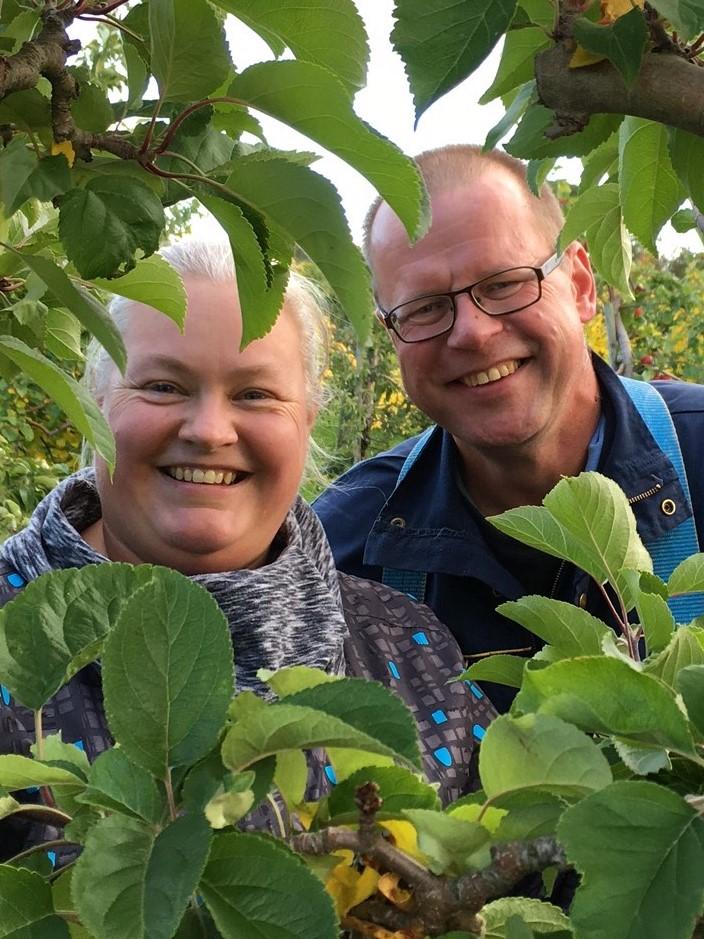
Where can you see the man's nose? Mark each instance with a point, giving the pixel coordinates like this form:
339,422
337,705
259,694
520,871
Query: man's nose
473,327
209,423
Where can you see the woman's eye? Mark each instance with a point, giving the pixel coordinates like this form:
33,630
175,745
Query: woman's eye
162,387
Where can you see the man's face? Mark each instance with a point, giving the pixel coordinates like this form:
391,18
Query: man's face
536,360
211,441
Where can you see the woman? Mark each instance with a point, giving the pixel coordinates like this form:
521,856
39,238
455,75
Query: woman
212,443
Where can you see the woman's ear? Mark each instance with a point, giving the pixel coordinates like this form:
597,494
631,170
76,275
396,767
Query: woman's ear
583,284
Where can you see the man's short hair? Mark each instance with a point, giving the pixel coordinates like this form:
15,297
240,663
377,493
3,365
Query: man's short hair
449,167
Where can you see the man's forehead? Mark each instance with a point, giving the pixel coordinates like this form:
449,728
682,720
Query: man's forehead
492,184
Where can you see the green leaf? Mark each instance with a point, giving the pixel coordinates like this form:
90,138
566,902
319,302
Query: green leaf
130,881
541,917
586,520
538,750
687,155
656,619
368,707
514,112
137,75
66,614
27,110
118,785
20,772
17,164
606,696
690,684
537,172
51,177
516,928
26,907
623,43
228,808
294,678
442,42
540,12
189,55
500,668
63,335
92,111
58,753
450,843
517,61
248,885
642,760
71,397
688,576
199,142
85,308
154,282
327,32
650,189
602,161
530,143
399,790
569,629
285,727
308,98
655,841
531,813
105,224
291,776
686,16
685,648
306,207
170,635
683,221
260,297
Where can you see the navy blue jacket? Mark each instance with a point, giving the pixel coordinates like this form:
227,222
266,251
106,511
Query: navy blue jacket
427,524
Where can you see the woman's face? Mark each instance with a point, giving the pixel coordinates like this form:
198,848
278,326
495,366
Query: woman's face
211,441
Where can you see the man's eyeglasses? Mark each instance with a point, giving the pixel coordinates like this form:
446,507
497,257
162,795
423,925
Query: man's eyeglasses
506,292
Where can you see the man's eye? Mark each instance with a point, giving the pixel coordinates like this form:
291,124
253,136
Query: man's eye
253,394
427,309
501,288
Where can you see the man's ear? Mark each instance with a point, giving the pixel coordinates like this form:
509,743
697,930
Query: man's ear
583,284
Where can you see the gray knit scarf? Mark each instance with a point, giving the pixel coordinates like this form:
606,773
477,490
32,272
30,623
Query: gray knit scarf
287,612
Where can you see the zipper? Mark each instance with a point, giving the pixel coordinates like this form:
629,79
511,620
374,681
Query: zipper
645,495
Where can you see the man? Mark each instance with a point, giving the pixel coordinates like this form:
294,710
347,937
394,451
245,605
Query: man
488,325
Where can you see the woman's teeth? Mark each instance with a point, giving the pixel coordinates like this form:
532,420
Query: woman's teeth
209,477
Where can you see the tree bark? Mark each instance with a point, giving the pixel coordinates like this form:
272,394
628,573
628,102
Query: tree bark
669,89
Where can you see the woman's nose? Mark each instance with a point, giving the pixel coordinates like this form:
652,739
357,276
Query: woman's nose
209,423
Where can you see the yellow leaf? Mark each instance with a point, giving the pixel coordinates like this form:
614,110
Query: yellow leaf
65,147
348,887
580,58
405,838
389,887
611,10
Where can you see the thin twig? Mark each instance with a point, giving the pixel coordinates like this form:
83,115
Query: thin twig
180,118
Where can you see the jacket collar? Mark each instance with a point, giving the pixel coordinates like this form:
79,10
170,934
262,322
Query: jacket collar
428,525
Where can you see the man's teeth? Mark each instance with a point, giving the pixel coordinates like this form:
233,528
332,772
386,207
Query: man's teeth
209,477
493,374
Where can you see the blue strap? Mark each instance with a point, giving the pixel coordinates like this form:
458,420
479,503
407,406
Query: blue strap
680,542
410,582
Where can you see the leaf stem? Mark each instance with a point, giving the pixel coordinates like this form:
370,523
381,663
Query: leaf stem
68,915
278,816
622,622
180,118
112,21
39,733
168,785
44,846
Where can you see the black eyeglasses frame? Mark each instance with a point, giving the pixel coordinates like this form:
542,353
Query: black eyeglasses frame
552,263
